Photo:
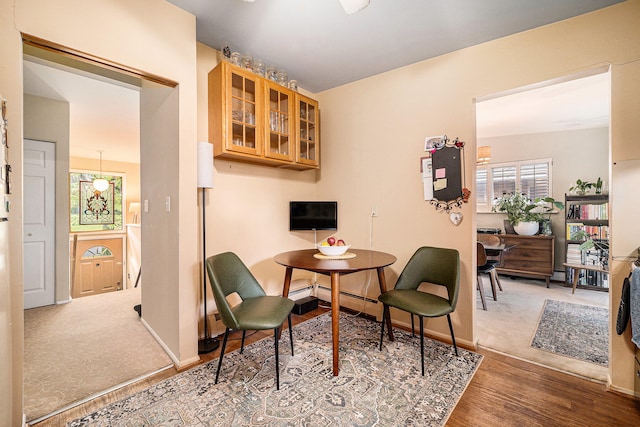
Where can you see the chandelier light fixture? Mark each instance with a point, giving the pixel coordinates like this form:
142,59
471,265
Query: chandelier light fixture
100,184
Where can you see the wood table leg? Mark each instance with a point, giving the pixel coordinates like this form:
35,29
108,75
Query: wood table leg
382,281
576,276
335,319
287,282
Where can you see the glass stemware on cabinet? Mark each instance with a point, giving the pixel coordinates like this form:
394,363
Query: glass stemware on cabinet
280,129
307,117
243,112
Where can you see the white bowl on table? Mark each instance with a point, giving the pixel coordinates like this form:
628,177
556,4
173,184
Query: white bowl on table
334,250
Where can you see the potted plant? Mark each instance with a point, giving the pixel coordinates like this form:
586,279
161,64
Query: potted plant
582,187
598,186
515,205
542,206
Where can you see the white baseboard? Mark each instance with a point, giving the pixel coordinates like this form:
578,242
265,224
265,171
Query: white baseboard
354,302
178,364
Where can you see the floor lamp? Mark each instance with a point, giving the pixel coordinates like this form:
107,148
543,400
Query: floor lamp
205,180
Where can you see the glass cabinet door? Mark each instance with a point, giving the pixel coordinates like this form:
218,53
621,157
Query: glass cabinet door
279,124
307,117
245,120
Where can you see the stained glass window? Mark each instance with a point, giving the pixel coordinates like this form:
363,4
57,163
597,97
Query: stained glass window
93,210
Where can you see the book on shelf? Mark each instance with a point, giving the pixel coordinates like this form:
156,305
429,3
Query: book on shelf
595,231
574,254
593,212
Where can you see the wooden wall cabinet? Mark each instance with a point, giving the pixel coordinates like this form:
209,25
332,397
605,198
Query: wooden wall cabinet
253,119
531,256
307,131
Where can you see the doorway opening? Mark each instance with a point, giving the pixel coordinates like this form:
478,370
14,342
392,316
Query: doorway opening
565,121
73,150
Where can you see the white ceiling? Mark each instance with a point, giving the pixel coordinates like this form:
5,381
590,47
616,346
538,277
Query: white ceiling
103,114
582,103
323,47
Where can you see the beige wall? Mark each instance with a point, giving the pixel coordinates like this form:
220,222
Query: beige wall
373,132
11,304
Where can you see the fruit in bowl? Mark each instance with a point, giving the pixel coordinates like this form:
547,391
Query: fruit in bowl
333,250
333,247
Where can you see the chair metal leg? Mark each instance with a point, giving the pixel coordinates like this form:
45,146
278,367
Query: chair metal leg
276,334
421,343
453,338
481,289
244,333
412,327
290,333
385,312
224,345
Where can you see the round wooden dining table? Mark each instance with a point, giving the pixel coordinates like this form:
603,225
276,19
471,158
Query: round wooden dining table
363,260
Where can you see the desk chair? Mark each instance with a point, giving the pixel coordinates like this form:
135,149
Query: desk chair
492,240
427,265
256,310
485,267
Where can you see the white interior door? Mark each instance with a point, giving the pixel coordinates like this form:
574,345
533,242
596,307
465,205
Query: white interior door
39,223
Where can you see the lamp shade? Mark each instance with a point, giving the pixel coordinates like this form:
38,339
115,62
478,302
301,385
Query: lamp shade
205,165
484,154
134,207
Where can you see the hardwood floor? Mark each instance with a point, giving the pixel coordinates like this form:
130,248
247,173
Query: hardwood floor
504,392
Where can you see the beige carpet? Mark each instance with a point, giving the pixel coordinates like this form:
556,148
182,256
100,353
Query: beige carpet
75,350
510,323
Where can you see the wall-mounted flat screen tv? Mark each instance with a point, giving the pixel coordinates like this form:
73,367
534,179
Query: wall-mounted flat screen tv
313,215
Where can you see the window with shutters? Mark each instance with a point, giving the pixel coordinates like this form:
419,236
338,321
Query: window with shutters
530,177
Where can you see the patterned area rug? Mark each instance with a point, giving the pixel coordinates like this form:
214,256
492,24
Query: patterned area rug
383,388
574,330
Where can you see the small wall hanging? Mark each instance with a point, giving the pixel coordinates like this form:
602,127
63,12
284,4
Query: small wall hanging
447,174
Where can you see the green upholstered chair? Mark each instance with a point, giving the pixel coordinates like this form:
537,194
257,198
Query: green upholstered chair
256,310
438,266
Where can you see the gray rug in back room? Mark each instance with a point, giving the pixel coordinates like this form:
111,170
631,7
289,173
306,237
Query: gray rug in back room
574,330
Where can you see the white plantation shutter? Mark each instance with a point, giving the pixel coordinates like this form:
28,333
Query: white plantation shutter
503,180
531,177
534,180
482,195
